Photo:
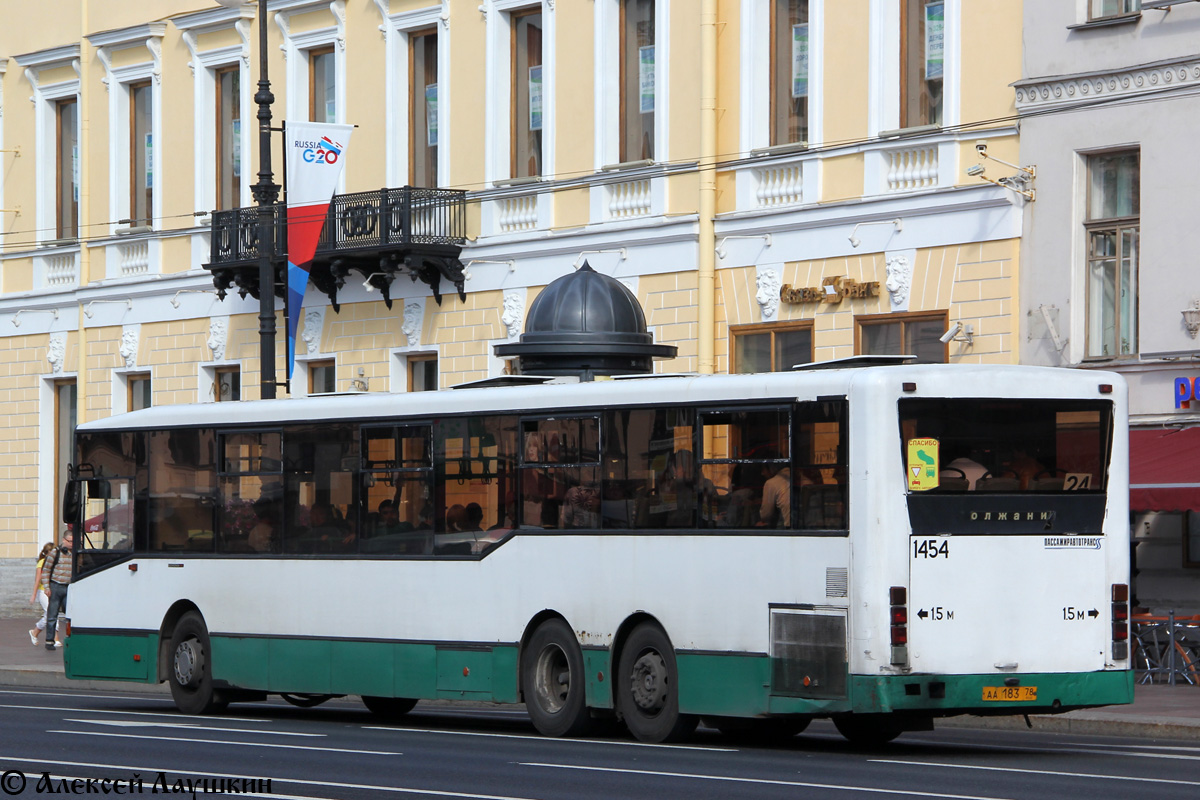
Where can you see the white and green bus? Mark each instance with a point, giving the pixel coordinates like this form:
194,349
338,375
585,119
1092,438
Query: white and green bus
879,545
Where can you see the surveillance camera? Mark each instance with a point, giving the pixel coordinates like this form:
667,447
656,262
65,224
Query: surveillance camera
976,170
951,333
981,148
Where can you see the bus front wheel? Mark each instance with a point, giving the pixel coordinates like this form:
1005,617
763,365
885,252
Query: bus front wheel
868,730
190,674
552,681
648,688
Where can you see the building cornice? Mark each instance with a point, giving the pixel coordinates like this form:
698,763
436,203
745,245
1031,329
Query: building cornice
122,38
1058,91
53,57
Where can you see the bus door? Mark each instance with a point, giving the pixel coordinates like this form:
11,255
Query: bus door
1008,563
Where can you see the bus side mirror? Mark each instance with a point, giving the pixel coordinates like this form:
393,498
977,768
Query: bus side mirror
71,500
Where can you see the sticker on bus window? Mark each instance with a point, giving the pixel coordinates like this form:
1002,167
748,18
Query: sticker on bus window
922,469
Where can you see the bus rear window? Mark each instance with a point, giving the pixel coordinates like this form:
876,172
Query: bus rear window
1047,446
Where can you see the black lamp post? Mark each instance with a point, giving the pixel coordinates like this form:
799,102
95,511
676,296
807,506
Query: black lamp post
266,194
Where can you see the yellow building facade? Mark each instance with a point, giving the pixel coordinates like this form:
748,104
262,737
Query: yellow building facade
777,181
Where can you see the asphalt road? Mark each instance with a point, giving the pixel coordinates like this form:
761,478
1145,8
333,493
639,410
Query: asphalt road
124,743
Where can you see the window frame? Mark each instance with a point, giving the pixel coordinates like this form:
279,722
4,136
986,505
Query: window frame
916,39
515,84
903,318
312,367
137,155
218,373
773,92
61,223
312,54
410,362
1119,227
624,155
236,180
63,448
771,328
432,157
1130,8
134,382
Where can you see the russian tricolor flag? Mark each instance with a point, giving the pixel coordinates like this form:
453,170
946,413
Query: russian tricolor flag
314,165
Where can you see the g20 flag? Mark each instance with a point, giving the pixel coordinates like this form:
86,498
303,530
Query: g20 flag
315,155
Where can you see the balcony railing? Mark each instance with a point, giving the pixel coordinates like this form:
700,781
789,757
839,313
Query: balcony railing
385,231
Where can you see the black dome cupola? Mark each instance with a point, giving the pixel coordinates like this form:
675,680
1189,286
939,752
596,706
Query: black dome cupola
586,324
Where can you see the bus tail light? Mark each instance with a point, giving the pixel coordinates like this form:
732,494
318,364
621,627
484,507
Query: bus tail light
898,599
1120,620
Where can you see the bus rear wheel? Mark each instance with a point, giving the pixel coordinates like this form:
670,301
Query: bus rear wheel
648,688
552,681
190,673
868,730
389,707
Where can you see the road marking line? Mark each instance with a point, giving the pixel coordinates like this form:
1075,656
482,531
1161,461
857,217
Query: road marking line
1024,770
762,781
554,739
257,794
221,741
301,781
92,696
174,715
125,723
1147,747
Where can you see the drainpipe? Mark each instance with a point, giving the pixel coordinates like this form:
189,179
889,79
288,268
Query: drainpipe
707,237
83,217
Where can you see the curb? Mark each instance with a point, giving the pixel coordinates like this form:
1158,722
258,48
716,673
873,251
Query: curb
36,678
1085,723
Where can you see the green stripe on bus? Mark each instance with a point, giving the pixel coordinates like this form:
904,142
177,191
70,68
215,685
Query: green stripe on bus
718,684
116,657
381,669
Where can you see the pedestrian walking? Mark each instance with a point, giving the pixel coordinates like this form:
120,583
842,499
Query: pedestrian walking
41,594
56,574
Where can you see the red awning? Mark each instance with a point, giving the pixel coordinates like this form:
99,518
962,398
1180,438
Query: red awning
1164,470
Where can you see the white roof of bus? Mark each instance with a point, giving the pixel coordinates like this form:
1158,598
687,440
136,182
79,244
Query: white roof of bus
948,379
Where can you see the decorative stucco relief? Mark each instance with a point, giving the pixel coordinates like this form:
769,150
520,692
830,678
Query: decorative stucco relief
768,283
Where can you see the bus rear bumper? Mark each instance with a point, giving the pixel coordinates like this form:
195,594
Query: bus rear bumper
990,695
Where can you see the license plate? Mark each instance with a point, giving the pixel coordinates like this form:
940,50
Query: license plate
1015,694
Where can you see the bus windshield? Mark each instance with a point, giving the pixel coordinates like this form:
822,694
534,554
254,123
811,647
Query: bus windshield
1006,445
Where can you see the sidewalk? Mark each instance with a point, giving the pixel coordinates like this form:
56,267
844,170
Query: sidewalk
1158,711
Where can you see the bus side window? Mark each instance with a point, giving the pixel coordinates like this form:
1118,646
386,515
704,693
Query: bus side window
182,489
475,503
396,495
250,484
746,474
320,504
820,465
560,473
650,474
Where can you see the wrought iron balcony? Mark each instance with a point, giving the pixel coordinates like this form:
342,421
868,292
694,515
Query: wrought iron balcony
381,234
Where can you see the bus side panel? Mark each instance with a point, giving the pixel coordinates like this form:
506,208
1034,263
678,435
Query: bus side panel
414,670
240,661
111,655
729,685
363,668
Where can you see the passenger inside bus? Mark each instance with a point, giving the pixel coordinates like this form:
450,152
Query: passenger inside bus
262,535
970,469
775,511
